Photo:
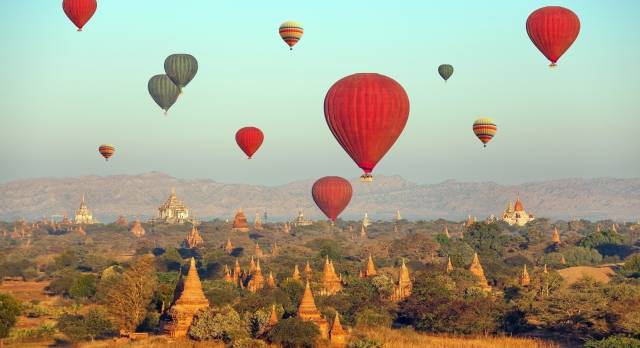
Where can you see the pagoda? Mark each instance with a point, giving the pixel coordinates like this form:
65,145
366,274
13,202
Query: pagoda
189,300
275,250
365,220
545,270
227,275
257,223
516,215
404,287
83,214
273,317
137,229
371,269
258,251
470,221
194,239
173,211
256,282
240,222
308,272
476,269
271,281
301,221
237,272
398,216
228,248
331,284
562,260
296,273
446,231
524,279
363,232
555,237
338,335
308,311
252,266
449,265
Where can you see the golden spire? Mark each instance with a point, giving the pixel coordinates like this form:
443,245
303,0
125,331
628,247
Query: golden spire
476,269
257,279
192,288
229,247
236,270
338,335
227,275
271,281
371,268
273,318
307,270
296,273
449,265
363,232
404,274
562,260
307,309
614,229
446,231
525,280
545,270
555,237
252,265
258,250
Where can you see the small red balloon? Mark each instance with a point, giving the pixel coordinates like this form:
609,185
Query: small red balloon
249,139
79,11
332,194
553,29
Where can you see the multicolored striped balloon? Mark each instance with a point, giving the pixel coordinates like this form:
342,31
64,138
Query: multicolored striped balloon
291,32
106,150
485,128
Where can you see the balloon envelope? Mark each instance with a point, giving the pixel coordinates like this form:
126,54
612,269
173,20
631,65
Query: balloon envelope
181,68
366,113
485,129
79,11
332,194
249,139
291,32
106,150
445,71
163,91
553,29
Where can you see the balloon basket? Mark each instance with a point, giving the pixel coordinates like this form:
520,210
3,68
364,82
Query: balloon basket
553,66
366,177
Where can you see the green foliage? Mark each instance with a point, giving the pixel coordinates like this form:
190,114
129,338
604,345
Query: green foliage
326,247
460,252
594,240
94,325
41,332
614,342
486,239
364,342
631,266
223,324
579,256
373,316
83,287
9,311
294,333
249,343
18,268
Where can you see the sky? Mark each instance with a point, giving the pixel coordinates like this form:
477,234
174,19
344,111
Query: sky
66,92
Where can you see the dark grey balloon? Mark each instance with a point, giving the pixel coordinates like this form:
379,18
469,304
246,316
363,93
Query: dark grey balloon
163,91
445,71
181,68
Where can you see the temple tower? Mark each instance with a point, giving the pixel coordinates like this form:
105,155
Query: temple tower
476,269
308,311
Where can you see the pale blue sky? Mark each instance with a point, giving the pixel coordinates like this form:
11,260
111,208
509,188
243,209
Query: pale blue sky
64,92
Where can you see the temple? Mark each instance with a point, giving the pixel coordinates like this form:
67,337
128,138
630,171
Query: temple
240,222
331,284
516,215
256,281
257,223
308,311
308,272
301,221
476,269
173,211
83,214
363,232
524,279
194,239
189,300
137,229
365,220
271,281
371,269
296,273
449,265
273,317
258,251
275,249
398,216
339,336
228,248
555,237
404,287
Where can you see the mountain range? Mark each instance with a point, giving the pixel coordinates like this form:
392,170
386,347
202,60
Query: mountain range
140,195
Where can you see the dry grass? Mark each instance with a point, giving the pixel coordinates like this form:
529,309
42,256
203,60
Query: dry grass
407,338
572,274
26,291
152,342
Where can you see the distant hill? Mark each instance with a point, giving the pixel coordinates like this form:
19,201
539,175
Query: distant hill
110,196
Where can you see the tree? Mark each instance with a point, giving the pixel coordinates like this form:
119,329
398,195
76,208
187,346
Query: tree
83,287
9,311
94,325
631,267
486,239
294,333
223,324
129,295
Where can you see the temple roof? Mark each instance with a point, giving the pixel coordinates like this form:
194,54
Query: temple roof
518,206
371,267
307,309
336,327
273,317
192,293
476,269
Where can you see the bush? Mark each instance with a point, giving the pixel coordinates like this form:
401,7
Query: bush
27,334
365,343
78,327
249,343
294,333
614,342
9,311
83,287
373,317
224,324
631,267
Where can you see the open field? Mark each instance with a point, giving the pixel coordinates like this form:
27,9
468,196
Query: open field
572,274
27,291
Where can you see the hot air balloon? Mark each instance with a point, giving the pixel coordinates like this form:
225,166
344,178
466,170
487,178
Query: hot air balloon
366,113
181,68
553,29
484,128
106,150
79,11
291,32
249,139
163,91
445,71
332,195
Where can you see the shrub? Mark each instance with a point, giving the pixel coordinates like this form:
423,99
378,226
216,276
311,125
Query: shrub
9,311
78,327
83,287
249,343
224,324
373,317
365,342
294,333
614,342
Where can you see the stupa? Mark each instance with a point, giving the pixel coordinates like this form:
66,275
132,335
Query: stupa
240,222
296,273
275,249
286,228
555,237
256,282
173,211
252,265
449,265
237,272
524,279
83,214
257,223
258,251
194,239
189,300
363,232
339,336
404,287
137,229
228,248
398,216
227,275
516,215
476,269
365,220
331,284
371,269
308,311
446,231
308,272
273,317
271,281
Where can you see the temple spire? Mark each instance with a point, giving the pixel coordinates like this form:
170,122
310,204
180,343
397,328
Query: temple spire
476,269
525,280
449,265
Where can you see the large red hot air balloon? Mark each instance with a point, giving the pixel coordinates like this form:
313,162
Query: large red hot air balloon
249,139
79,11
366,113
332,194
553,29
